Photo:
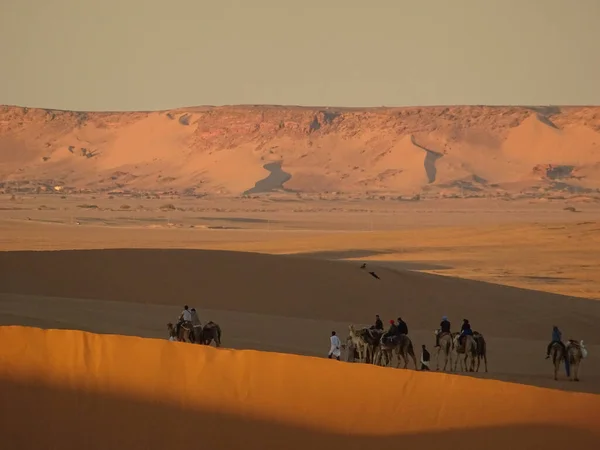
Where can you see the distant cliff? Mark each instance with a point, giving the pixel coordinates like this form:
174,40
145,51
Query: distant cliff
344,152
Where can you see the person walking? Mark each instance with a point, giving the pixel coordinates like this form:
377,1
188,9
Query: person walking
335,349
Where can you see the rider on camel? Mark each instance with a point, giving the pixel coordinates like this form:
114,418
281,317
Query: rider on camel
196,324
184,318
444,328
556,337
378,323
464,331
402,327
392,331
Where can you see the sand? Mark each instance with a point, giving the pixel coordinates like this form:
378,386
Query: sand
123,392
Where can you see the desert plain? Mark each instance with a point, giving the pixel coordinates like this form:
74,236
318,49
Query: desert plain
111,222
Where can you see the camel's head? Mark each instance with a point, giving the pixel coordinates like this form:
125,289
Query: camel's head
351,328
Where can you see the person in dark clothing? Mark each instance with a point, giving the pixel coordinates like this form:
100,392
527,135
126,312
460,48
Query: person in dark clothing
444,328
392,331
402,327
425,358
556,337
378,323
465,330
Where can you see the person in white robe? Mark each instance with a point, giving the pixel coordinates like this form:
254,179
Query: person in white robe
336,345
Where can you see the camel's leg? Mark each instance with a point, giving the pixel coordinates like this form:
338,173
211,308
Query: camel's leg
485,361
437,362
414,358
575,371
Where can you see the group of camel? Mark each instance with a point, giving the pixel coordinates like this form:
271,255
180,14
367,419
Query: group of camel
371,348
570,354
196,334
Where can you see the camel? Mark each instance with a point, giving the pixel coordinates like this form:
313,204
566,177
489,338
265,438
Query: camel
383,354
446,346
481,350
403,348
558,354
576,351
208,333
469,348
358,342
372,338
182,336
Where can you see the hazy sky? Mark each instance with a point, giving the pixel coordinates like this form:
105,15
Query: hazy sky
157,54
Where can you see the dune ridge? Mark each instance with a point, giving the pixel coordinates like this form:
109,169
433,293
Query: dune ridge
408,153
307,392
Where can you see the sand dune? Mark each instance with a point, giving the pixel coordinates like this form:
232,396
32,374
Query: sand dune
292,286
362,153
68,389
289,303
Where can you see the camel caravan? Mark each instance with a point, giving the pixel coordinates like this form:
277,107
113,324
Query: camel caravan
189,329
373,345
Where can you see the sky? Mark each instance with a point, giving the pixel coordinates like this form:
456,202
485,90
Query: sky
99,55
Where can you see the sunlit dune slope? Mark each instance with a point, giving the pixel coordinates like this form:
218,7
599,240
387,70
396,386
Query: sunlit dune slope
70,389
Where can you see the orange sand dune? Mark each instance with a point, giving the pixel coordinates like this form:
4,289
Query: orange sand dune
433,152
70,389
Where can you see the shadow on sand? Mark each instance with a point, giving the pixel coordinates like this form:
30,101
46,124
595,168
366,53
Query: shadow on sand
41,417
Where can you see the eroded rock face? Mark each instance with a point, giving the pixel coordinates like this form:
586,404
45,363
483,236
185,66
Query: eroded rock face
392,152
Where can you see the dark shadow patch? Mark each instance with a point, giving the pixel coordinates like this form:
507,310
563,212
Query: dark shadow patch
407,265
314,125
430,159
274,182
185,119
548,111
330,116
72,419
237,219
546,121
342,254
547,279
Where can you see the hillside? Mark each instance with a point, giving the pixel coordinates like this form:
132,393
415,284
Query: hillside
78,389
403,153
